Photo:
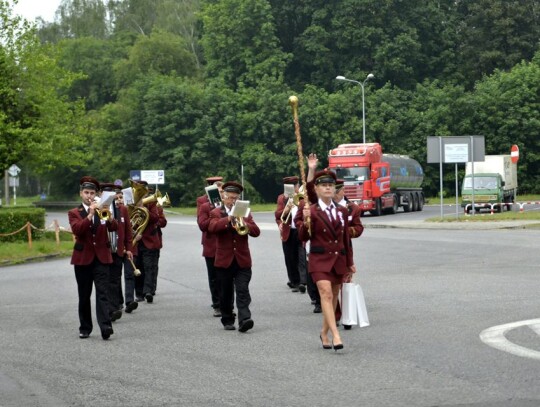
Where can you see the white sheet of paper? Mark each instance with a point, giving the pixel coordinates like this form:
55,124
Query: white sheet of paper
240,209
107,197
128,196
288,190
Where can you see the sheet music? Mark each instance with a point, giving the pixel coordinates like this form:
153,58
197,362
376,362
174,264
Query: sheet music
128,196
107,198
212,191
288,190
241,209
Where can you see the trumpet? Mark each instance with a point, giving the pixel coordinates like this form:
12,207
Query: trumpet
102,213
164,201
240,226
288,207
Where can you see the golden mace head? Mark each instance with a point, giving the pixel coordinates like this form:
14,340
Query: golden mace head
293,101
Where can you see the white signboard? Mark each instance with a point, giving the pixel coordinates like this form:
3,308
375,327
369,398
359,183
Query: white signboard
153,176
14,170
456,153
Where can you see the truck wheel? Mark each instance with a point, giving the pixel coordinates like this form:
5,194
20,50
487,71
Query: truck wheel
420,201
414,201
395,205
408,207
377,211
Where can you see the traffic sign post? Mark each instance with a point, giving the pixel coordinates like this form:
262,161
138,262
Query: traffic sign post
514,154
13,171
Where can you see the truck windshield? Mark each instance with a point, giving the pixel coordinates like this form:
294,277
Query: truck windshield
352,174
481,183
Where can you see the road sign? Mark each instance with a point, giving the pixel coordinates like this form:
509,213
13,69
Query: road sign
14,170
514,153
151,176
13,181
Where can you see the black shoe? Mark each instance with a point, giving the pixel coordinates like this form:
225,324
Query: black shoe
302,288
149,298
139,299
246,325
84,335
217,312
132,306
347,327
289,284
154,293
229,327
323,345
338,346
295,289
116,315
317,309
106,333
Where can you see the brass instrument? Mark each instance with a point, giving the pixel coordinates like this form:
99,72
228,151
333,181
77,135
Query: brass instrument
240,226
138,215
292,202
102,213
164,201
293,102
136,271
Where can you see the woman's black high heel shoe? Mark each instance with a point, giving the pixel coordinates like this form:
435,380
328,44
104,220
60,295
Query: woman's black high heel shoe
338,346
323,345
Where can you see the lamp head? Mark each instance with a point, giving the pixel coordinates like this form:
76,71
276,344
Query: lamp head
340,78
370,76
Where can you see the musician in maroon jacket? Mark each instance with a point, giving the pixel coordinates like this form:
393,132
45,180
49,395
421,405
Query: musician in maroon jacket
121,241
162,222
148,246
293,249
330,257
233,259
91,258
208,242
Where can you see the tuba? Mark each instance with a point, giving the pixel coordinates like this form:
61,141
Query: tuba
138,215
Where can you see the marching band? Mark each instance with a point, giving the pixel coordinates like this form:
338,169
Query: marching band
119,229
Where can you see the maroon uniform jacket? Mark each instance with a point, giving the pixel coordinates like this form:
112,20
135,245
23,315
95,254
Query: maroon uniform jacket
286,228
208,240
162,222
330,242
355,224
125,233
201,200
91,240
229,244
150,235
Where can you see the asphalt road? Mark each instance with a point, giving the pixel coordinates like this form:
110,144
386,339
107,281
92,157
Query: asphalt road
430,294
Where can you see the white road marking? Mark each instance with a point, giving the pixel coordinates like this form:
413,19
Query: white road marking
495,338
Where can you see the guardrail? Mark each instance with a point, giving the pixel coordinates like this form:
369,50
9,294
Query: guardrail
28,227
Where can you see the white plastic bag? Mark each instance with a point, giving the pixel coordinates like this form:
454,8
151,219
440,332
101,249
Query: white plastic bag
353,305
349,306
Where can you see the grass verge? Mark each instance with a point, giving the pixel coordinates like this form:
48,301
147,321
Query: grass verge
18,252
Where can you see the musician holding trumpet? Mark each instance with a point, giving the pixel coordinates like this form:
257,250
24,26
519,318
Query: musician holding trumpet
293,249
233,259
92,257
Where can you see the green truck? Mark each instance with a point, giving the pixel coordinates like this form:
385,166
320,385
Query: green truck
494,185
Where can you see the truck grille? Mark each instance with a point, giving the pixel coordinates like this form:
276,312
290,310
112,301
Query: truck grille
354,192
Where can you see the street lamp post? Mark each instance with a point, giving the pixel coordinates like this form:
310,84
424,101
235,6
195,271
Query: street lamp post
362,84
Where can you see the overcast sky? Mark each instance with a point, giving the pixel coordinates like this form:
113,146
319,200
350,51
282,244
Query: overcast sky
30,9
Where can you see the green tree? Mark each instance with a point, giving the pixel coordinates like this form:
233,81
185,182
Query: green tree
239,42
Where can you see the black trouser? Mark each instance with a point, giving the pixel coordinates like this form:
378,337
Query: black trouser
295,258
212,283
129,280
116,296
96,274
147,262
230,280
